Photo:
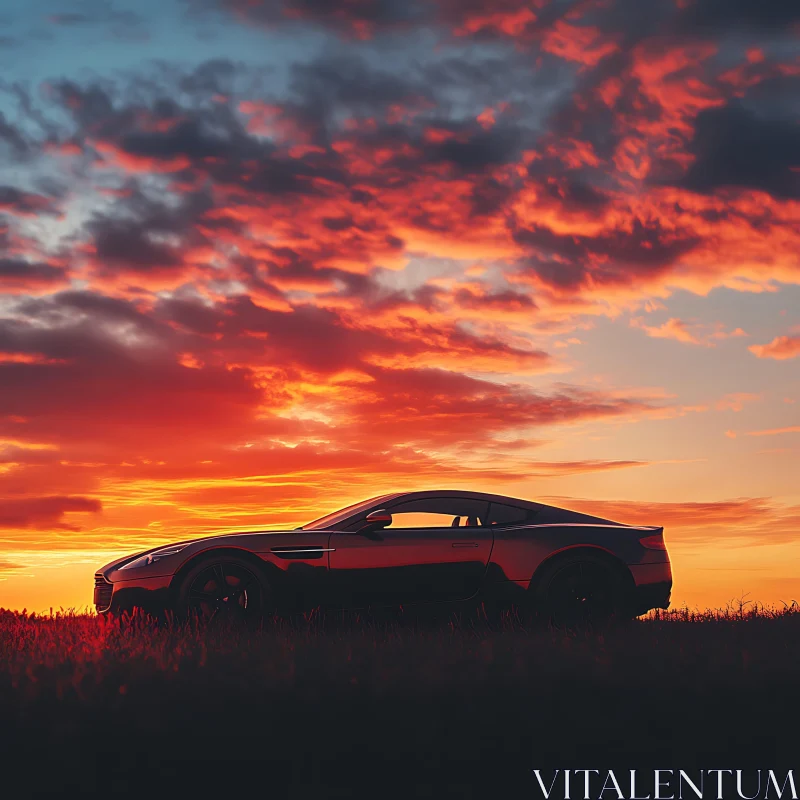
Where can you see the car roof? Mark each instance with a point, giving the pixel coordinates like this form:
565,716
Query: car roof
485,496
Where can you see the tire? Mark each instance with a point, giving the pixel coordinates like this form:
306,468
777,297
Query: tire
223,588
580,591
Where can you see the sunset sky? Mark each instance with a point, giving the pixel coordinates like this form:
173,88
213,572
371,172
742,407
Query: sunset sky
263,258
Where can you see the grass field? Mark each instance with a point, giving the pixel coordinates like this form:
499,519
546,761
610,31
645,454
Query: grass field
316,708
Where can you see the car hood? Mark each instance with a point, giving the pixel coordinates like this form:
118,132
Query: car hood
192,546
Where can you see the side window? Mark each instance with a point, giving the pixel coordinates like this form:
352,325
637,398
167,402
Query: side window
421,519
439,512
500,514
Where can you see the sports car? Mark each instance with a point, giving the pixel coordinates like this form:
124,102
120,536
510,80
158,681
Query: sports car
405,549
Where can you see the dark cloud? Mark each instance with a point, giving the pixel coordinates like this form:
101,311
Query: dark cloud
350,82
65,305
143,235
735,147
427,297
17,201
280,176
121,244
630,22
214,77
209,142
44,512
247,152
494,301
484,22
489,196
615,257
17,274
214,135
777,95
13,138
481,150
576,195
88,105
85,327
711,17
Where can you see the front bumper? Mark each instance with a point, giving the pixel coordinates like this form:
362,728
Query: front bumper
152,595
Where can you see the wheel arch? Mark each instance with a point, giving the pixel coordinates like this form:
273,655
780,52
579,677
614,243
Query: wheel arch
570,552
232,552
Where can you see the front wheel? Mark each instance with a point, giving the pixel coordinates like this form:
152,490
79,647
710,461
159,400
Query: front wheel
223,588
581,591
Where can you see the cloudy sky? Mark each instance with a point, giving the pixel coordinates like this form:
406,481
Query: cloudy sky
262,258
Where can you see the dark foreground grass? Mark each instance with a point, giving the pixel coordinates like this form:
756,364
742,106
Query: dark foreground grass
328,709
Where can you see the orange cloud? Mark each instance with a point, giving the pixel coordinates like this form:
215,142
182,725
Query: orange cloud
775,431
580,43
673,328
686,332
114,157
510,23
780,348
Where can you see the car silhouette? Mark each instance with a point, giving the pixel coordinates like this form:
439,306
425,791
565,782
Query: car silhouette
406,549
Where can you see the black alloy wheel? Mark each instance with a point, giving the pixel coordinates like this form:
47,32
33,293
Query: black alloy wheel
224,590
582,593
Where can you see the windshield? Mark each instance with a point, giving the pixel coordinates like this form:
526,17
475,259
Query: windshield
334,518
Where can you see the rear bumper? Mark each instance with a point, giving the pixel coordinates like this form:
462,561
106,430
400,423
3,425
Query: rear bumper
653,586
654,595
152,595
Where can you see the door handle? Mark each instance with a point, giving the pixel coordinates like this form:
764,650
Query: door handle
465,544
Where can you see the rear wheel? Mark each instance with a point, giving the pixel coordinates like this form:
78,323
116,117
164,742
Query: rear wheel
223,588
581,590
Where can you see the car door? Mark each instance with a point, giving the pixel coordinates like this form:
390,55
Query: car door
435,550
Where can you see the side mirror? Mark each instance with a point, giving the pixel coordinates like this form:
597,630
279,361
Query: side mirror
380,516
375,521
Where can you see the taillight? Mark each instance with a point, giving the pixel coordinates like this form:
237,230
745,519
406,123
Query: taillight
654,542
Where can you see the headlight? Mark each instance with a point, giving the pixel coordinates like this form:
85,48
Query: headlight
151,558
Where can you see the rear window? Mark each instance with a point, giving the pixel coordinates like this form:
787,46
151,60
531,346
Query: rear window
500,514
